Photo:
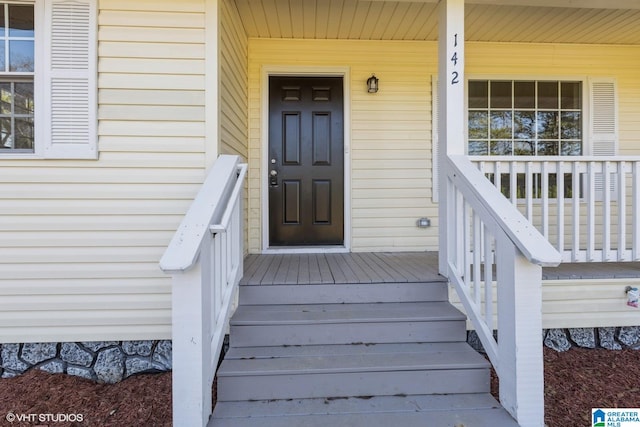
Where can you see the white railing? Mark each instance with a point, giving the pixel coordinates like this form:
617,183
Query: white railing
204,259
495,254
585,206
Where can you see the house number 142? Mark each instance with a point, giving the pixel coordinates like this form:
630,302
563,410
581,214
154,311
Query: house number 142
455,77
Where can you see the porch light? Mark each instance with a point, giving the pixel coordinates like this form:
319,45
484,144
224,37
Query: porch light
372,84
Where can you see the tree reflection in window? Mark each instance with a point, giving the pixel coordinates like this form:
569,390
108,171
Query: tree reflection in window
525,118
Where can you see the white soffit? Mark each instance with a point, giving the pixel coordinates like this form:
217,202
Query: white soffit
542,21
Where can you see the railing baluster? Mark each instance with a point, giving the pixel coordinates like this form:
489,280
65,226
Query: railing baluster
488,280
497,176
477,258
529,191
466,245
576,177
560,205
622,211
606,216
591,215
513,182
545,198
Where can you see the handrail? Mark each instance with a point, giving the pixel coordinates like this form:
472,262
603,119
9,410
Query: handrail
492,250
223,225
206,209
205,260
492,205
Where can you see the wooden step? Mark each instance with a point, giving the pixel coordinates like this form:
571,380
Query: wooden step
313,324
344,293
479,410
351,370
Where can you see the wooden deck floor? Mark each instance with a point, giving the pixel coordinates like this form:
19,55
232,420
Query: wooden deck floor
391,267
341,268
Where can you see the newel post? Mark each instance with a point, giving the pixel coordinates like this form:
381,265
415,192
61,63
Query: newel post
451,111
521,367
191,344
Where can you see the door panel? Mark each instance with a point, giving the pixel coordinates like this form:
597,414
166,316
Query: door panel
306,161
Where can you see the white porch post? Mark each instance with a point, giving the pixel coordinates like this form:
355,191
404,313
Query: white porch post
521,368
191,392
451,111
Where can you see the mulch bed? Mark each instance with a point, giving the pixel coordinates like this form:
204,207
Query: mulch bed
575,382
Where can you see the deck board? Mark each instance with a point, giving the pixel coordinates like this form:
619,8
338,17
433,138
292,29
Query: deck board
396,267
345,268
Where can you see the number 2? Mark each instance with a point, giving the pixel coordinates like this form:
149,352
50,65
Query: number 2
455,79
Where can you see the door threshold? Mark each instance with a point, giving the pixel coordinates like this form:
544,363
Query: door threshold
329,249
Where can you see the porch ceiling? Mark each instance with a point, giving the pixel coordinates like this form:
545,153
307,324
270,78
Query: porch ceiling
493,20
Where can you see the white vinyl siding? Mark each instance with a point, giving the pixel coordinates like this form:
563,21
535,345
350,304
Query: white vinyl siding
80,240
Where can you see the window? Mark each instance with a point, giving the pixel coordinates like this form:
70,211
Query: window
531,118
48,79
17,68
526,118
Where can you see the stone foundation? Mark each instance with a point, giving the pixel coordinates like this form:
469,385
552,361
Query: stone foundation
609,338
101,361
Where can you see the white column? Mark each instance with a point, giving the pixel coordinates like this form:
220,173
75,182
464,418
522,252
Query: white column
451,108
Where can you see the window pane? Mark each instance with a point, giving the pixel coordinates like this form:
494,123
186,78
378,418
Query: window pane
2,27
478,148
478,124
20,21
479,94
547,125
524,122
571,125
571,148
524,148
501,125
571,98
6,139
5,98
547,148
3,64
500,94
24,133
548,95
501,148
524,95
24,98
21,56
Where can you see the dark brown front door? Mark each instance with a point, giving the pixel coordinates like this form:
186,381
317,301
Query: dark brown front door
306,161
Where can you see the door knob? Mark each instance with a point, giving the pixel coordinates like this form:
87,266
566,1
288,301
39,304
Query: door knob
273,178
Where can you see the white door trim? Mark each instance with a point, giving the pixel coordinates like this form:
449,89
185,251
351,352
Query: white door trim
304,71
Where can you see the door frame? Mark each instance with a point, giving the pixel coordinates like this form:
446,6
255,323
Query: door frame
304,71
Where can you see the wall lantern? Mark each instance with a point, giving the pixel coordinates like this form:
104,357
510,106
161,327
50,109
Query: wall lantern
372,84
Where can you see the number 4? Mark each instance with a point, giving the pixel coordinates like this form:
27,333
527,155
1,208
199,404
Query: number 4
454,58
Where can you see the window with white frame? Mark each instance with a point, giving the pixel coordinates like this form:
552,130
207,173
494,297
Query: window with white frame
526,118
533,118
48,79
17,67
